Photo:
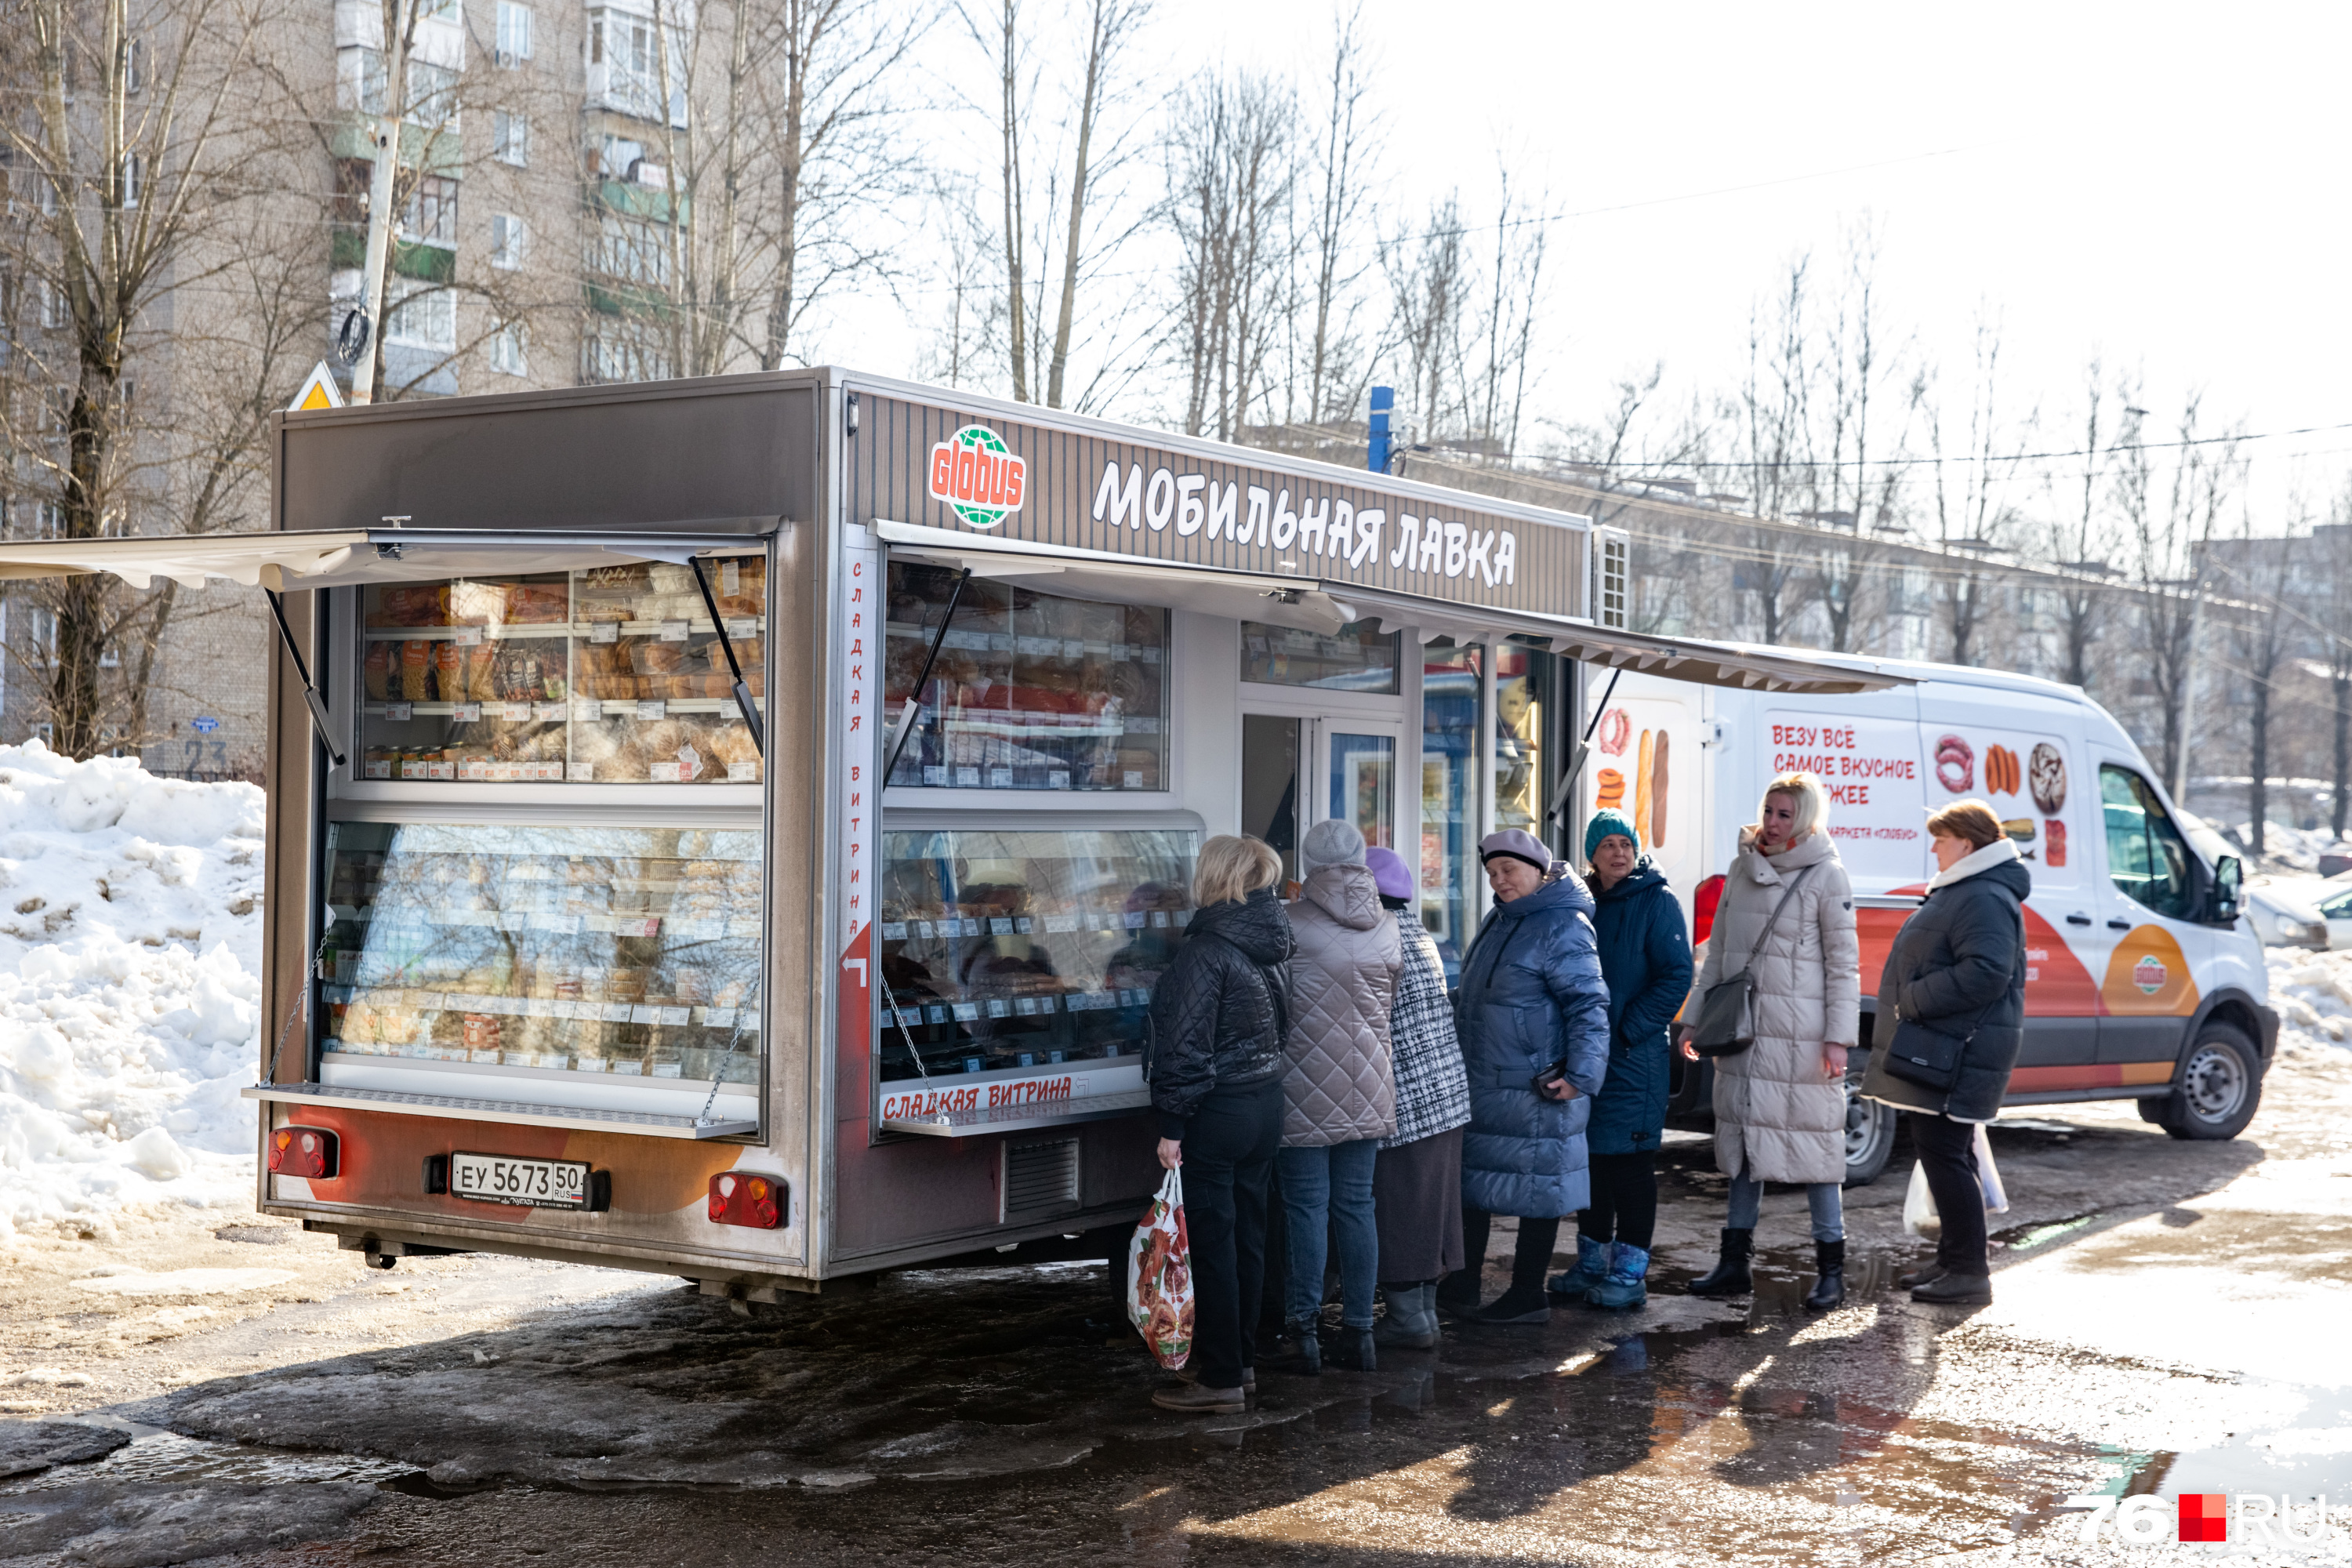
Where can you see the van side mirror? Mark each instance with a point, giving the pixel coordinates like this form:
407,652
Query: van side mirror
2222,901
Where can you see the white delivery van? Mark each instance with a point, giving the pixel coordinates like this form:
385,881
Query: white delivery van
2143,980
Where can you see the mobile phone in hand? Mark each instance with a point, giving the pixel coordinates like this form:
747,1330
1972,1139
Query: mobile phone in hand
1543,1082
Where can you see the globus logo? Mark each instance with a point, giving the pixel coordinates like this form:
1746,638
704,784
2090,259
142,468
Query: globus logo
976,474
2149,974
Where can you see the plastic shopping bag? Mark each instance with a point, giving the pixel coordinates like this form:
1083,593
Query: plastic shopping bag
1996,1196
1159,1277
1919,1216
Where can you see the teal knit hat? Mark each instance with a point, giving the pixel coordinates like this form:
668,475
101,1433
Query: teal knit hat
1605,822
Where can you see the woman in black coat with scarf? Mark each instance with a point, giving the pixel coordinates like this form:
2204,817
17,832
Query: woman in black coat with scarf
1956,969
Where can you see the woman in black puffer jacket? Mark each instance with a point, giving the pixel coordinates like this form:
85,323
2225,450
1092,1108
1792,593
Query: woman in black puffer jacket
1957,967
1215,1059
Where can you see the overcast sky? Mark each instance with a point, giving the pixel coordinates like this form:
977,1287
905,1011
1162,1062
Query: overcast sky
2161,184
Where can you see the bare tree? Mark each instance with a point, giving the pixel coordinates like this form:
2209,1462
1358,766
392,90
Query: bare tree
2263,636
2168,526
2079,539
1350,142
1428,276
1232,181
129,146
1972,492
2333,557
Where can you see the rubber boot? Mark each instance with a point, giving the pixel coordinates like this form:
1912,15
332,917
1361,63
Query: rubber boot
1729,1277
1352,1350
1829,1283
1411,1322
1624,1289
1592,1269
1298,1350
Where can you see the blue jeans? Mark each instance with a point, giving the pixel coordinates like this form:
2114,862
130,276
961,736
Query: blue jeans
1825,1199
1334,1179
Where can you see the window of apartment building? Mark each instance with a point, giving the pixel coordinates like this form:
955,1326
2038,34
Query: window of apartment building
431,216
510,138
507,239
632,250
630,53
507,351
134,67
53,305
134,176
616,349
514,33
420,314
431,94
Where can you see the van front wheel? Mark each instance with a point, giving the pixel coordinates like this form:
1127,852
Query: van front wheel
2219,1089
1869,1134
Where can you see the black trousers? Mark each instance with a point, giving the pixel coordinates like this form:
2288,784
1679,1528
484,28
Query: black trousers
1624,1199
1530,1254
1229,1145
1947,1151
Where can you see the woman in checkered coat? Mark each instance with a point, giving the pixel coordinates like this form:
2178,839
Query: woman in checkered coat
1417,1183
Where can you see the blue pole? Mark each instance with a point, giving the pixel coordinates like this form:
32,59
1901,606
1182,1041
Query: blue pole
1384,399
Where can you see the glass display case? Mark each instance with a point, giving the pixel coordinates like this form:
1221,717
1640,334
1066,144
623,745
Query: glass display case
1031,692
1005,949
612,675
1354,658
623,953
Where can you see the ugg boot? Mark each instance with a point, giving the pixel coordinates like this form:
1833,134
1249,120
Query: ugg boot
1352,1350
1829,1284
1298,1350
1592,1269
1624,1287
1729,1277
1411,1322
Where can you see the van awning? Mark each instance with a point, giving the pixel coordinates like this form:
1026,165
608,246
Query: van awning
297,560
1319,604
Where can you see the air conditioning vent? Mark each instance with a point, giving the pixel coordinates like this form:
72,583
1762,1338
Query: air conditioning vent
1040,1179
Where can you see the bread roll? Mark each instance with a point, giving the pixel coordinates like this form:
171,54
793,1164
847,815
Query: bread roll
1656,827
1642,784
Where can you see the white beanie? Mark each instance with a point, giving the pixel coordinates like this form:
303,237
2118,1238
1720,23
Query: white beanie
1330,842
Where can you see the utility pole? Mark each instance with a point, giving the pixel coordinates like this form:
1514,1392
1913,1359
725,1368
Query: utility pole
400,16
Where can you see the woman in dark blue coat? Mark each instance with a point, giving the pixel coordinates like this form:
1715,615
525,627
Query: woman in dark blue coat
1532,1004
1645,957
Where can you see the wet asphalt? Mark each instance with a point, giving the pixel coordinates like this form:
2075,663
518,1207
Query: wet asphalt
2168,1317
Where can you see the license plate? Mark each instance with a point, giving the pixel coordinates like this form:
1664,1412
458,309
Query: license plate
527,1183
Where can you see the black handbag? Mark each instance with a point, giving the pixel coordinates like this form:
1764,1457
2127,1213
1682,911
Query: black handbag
1727,1014
1930,1057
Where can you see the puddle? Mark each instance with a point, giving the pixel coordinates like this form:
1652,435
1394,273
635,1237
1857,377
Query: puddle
155,1456
2312,1454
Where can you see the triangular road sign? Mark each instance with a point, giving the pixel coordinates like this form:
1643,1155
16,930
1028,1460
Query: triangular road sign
318,392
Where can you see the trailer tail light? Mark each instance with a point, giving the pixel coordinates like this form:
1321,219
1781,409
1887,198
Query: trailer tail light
741,1198
311,1151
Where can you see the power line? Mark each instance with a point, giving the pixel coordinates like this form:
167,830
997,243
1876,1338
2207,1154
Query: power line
1733,466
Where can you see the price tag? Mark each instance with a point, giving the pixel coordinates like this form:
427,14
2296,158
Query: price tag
675,1016
671,631
582,773
548,712
656,709
399,712
730,578
379,769
743,772
605,631
466,636
738,627
465,712
587,708
664,772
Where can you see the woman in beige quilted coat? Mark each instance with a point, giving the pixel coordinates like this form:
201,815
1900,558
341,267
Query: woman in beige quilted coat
1779,1106
1339,1089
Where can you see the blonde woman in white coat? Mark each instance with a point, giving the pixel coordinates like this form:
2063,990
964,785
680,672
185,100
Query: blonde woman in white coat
1779,1106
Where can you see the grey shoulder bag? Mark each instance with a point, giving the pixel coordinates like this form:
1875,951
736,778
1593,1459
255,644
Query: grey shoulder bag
1727,1015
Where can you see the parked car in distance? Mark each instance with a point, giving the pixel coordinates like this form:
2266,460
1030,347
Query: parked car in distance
2282,919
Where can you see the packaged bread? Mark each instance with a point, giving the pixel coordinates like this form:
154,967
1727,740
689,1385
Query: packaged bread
596,748
375,670
740,585
416,671
732,744
482,672
608,593
648,656
412,604
538,604
476,603
450,671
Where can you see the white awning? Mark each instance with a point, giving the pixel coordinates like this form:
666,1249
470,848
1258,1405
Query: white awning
1320,605
300,560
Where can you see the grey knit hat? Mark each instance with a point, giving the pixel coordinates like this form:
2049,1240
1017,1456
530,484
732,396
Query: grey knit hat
1330,842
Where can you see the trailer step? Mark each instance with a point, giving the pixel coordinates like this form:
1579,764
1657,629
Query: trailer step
650,1124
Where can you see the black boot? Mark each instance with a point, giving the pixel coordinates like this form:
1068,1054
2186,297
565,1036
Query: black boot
1828,1286
1525,1301
1353,1351
1729,1277
1298,1350
1925,1274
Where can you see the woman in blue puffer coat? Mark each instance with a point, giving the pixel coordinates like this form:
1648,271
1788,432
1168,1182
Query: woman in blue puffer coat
1645,956
1532,1006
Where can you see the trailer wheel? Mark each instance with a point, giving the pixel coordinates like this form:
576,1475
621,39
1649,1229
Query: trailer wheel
2219,1089
1869,1133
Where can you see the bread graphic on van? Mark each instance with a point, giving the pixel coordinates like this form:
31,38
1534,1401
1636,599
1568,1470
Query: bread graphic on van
2046,772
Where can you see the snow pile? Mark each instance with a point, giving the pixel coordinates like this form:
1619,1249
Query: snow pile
130,989
2313,992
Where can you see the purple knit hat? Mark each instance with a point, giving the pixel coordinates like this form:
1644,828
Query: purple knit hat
1519,844
1389,871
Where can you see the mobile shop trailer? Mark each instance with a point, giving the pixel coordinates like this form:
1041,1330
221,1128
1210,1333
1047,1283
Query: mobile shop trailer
733,827
2143,980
